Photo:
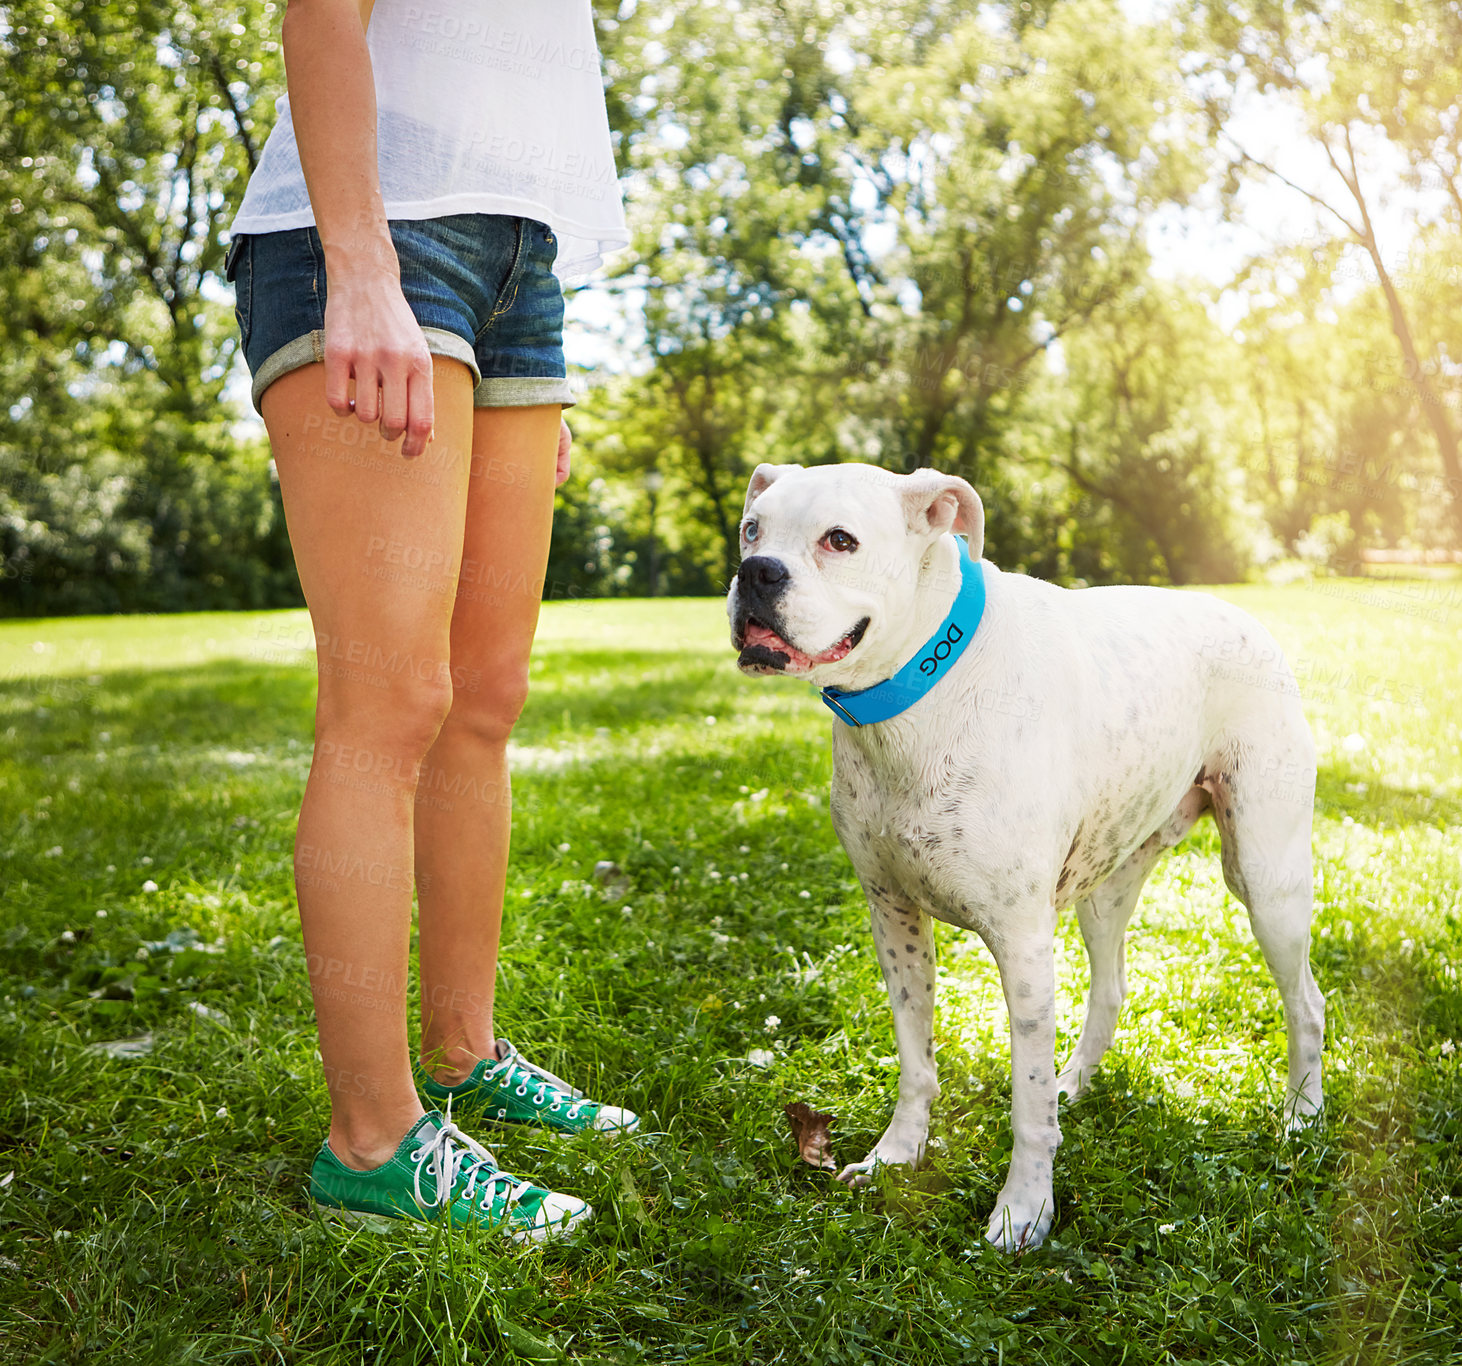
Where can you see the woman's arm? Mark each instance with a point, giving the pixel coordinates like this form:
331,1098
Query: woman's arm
371,334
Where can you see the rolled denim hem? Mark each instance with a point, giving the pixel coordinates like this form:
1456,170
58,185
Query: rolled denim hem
310,349
522,391
304,350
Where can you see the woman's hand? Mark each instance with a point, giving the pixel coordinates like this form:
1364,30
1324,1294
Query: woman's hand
565,441
373,338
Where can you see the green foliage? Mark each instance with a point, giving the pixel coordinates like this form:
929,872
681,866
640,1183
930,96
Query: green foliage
125,137
998,161
100,535
153,1208
915,235
603,547
1145,425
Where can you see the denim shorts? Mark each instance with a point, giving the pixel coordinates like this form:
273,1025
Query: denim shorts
481,286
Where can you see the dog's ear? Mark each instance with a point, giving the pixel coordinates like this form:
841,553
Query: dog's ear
762,477
935,503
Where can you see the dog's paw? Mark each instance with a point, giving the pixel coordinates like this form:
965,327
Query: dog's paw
861,1173
1302,1114
902,1145
1072,1083
1021,1224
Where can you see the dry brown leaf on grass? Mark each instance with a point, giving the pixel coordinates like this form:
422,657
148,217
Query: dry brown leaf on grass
810,1133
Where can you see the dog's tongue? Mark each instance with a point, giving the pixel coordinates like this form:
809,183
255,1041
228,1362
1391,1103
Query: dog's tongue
757,634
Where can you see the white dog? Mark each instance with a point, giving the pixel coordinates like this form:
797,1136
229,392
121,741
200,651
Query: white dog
1006,748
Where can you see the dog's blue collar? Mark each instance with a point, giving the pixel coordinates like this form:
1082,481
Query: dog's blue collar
933,661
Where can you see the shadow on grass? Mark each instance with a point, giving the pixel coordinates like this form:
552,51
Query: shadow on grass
233,699
1368,801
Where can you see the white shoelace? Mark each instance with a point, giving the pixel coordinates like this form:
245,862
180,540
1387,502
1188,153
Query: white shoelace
449,1155
512,1058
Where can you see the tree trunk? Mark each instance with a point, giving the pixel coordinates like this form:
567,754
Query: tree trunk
1431,401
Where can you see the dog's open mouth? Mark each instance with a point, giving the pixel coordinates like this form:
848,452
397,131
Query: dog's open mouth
764,651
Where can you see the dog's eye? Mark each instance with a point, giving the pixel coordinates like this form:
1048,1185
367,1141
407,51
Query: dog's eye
749,529
840,540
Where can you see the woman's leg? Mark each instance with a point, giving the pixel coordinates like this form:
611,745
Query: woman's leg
378,543
464,809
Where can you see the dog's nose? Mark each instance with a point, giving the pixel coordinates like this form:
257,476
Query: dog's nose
762,571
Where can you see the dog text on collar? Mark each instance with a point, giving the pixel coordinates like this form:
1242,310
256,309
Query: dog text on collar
929,665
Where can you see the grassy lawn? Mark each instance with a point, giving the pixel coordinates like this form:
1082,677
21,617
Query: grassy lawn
152,1206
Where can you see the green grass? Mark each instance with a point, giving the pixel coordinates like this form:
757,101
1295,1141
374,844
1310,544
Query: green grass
152,1208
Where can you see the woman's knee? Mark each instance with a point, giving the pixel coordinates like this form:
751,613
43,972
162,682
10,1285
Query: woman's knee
488,708
382,725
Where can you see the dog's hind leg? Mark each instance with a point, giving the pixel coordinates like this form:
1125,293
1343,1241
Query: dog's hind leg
904,938
1264,815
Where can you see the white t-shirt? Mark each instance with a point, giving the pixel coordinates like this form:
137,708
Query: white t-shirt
483,106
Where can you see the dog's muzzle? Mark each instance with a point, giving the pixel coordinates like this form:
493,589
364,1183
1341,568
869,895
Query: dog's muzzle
757,628
761,583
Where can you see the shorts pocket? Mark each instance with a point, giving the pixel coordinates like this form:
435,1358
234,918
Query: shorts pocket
238,270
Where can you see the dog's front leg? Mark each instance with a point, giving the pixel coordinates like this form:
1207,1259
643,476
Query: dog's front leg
1024,1210
905,941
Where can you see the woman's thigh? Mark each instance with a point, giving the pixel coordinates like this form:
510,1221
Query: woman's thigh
377,539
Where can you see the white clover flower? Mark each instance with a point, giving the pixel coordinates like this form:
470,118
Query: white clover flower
772,1022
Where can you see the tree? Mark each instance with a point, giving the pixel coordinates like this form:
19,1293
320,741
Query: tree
1146,422
1388,80
1013,157
891,216
125,134
737,218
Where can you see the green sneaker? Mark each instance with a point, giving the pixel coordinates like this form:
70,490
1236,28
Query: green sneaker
513,1090
439,1172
